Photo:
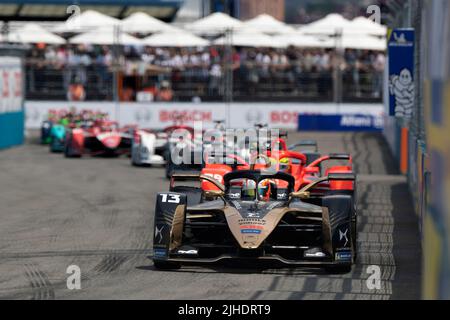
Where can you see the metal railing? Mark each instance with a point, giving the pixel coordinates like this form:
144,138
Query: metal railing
246,84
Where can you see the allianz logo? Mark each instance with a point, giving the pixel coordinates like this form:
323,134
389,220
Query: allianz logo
356,121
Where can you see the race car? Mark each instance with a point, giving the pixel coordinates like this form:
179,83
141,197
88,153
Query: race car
191,152
102,137
46,127
149,147
53,118
256,216
57,137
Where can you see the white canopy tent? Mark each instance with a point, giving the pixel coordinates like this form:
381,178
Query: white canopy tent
329,25
267,24
301,40
333,24
34,33
363,42
86,21
141,22
105,36
174,38
363,25
250,37
214,23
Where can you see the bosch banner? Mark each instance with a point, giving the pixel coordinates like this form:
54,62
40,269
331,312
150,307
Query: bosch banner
401,73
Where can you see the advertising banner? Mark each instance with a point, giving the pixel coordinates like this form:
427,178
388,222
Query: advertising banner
10,85
160,115
401,73
11,102
338,122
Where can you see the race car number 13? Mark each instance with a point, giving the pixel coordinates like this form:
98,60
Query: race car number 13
170,198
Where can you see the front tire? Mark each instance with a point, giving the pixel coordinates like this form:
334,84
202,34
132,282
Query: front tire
68,153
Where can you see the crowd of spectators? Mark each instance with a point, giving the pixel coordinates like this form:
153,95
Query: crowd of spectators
301,70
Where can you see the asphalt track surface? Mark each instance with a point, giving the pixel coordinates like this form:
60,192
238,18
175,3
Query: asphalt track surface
97,213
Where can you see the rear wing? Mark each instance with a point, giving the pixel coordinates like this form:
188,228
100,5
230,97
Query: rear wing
332,177
184,176
341,176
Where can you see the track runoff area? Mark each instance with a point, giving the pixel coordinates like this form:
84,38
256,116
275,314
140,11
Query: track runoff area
94,217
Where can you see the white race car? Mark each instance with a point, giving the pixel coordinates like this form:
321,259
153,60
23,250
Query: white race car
149,148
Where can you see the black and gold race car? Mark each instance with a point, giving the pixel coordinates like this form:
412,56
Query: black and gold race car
256,215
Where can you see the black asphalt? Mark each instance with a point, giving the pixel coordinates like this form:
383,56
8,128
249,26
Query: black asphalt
97,213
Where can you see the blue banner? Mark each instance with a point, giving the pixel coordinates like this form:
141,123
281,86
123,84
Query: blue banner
339,122
401,72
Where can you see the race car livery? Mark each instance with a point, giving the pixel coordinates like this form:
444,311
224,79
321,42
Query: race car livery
257,216
100,138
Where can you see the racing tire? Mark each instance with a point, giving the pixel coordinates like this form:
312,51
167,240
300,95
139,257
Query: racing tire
69,154
166,265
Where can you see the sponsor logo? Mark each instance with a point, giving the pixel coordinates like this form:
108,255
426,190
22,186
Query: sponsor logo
158,234
343,256
188,252
160,253
254,231
253,214
282,196
314,255
283,117
185,116
356,121
343,235
234,195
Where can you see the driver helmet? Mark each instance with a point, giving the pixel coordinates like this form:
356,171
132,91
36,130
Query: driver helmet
285,165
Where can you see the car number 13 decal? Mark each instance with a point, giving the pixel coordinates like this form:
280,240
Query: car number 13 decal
170,198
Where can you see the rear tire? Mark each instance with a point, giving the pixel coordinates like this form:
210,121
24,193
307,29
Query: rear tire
166,265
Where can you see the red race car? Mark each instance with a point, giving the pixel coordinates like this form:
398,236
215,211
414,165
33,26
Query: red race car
100,137
280,159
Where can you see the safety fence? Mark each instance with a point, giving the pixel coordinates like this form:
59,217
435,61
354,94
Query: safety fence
248,84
